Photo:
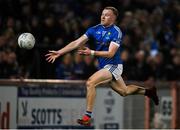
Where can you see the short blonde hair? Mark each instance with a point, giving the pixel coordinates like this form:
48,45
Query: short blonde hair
114,10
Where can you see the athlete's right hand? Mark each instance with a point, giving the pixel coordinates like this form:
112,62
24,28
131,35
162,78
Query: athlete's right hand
51,56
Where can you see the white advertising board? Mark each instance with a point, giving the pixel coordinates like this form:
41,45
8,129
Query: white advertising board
50,107
8,107
108,111
49,112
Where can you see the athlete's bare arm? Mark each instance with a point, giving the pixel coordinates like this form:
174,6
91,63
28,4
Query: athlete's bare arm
52,55
109,54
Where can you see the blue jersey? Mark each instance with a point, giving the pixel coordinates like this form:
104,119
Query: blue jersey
102,37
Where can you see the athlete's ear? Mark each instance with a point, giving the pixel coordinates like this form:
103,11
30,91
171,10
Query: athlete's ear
115,18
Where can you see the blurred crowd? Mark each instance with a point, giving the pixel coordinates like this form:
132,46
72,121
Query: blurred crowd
151,44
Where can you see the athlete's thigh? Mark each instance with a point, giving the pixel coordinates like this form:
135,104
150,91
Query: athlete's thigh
118,85
99,77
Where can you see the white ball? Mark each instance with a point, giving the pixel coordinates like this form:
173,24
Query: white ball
26,41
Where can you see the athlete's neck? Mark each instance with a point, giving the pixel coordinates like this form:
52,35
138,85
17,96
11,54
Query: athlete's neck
106,26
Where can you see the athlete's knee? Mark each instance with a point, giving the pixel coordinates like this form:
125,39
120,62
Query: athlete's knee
124,94
89,83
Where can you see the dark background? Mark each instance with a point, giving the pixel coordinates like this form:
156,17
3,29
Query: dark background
151,44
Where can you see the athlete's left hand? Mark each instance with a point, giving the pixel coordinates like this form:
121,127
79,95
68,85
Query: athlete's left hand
84,51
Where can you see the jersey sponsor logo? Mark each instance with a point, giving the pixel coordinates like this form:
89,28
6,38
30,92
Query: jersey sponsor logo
103,43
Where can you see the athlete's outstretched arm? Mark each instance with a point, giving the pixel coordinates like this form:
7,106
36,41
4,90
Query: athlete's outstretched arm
109,54
52,55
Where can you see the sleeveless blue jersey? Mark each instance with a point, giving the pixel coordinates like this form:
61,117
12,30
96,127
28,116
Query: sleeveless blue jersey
102,37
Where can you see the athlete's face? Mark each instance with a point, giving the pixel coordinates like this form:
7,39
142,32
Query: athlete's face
107,17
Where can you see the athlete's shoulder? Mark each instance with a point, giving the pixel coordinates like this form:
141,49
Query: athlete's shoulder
97,26
91,31
116,29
